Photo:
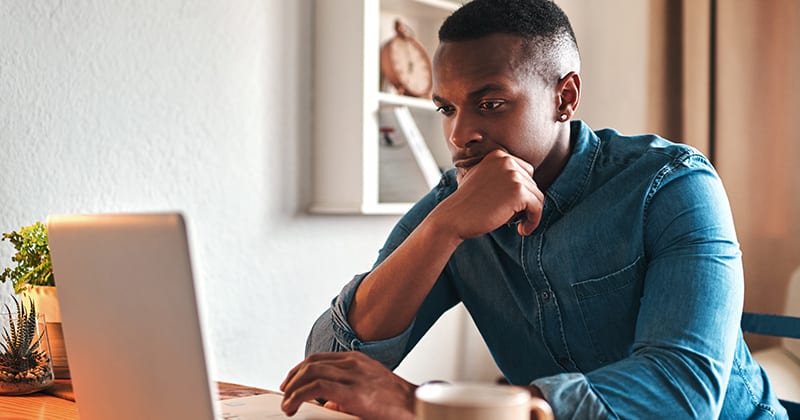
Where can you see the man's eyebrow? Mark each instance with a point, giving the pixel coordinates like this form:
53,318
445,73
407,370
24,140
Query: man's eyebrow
482,91
491,87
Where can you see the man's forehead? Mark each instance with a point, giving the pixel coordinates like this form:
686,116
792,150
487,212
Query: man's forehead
492,54
488,60
492,47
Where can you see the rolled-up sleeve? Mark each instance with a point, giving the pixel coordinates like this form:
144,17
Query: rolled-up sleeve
571,396
332,332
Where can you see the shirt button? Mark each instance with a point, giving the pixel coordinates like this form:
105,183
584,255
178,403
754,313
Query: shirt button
546,296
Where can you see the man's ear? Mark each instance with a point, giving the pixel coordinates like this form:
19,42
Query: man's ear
568,92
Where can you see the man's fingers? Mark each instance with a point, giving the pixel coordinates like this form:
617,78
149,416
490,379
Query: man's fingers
533,200
533,212
333,370
290,376
339,359
529,223
325,376
319,388
350,381
333,406
527,167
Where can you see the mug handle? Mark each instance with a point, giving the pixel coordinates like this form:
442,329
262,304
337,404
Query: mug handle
541,408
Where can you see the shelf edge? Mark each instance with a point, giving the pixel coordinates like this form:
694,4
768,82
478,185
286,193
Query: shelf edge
385,98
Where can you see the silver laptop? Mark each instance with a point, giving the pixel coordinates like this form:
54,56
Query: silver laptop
131,322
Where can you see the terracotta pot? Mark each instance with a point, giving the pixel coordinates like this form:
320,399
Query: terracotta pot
47,303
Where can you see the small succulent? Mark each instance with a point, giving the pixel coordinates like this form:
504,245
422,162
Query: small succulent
21,349
33,265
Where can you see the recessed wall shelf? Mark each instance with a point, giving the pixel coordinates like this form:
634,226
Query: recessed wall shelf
354,170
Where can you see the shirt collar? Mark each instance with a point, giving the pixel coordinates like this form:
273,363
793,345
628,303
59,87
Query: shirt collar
570,184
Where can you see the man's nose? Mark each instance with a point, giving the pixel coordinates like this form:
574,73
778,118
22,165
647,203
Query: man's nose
463,131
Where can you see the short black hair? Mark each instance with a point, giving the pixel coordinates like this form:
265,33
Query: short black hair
551,50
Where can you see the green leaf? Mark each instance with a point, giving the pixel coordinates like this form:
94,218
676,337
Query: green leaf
32,258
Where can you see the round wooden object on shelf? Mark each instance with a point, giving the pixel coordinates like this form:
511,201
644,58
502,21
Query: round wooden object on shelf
405,63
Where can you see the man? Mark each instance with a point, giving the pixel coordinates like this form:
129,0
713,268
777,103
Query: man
602,271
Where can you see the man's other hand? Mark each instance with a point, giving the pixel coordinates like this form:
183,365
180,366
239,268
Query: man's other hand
351,382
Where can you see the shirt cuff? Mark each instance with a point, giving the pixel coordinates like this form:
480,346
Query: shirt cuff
571,397
389,351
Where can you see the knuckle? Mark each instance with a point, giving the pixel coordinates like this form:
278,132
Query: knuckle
312,370
507,159
360,360
496,152
314,357
318,386
361,357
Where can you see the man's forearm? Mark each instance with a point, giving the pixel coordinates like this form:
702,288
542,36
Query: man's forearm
387,300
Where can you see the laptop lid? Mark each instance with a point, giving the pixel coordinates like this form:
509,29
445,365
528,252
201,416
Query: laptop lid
130,317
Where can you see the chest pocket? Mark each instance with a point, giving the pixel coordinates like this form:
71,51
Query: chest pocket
609,306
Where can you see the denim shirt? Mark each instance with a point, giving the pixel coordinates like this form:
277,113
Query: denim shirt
625,302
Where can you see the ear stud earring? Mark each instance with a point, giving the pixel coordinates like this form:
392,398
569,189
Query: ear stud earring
562,117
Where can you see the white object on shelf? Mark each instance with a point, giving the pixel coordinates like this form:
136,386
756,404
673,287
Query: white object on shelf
409,101
401,180
423,156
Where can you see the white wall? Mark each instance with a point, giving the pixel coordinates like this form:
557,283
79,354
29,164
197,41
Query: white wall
197,106
204,107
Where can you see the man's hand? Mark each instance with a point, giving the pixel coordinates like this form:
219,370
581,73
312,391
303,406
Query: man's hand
494,191
351,382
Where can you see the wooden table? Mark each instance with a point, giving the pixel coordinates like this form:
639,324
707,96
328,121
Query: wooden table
58,402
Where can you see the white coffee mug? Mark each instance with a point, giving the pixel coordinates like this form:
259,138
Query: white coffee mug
474,401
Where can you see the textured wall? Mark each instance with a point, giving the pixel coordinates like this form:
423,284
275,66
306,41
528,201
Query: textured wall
197,106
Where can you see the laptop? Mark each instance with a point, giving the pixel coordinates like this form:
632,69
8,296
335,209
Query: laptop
132,326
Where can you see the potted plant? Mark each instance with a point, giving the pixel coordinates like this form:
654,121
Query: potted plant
25,364
33,258
32,275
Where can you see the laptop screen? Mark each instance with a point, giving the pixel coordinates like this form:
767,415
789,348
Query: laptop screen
130,317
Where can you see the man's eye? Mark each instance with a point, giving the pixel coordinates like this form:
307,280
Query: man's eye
445,109
490,105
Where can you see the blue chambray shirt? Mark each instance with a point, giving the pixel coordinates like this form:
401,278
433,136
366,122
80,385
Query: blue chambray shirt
625,302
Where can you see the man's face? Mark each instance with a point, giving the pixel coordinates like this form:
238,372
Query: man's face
487,103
